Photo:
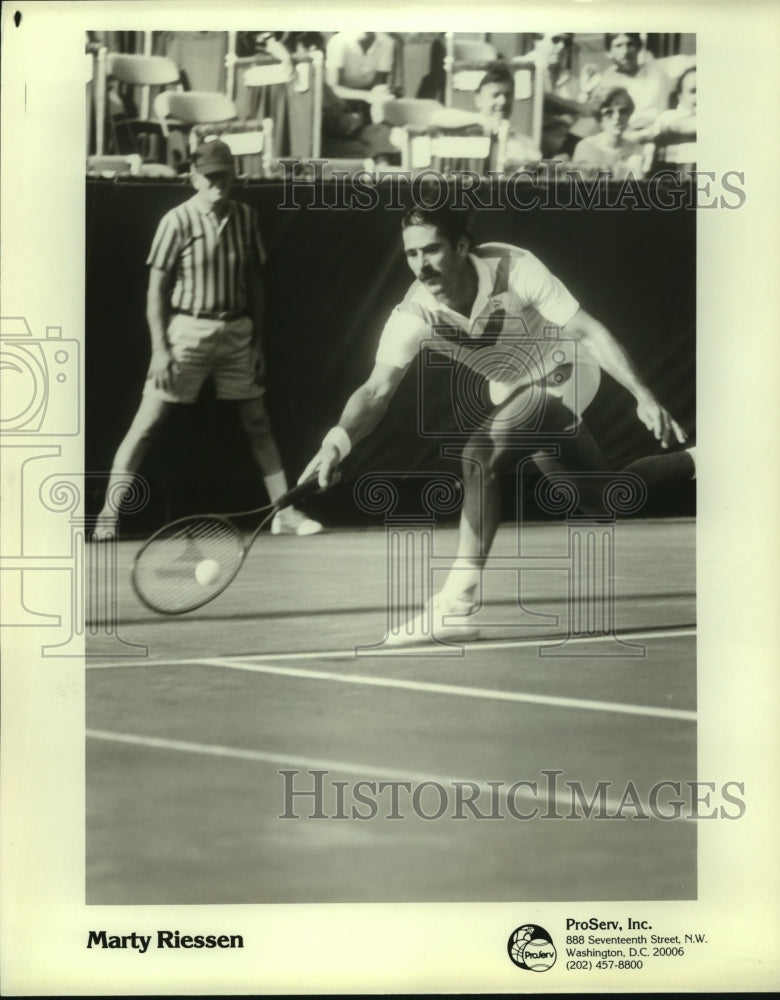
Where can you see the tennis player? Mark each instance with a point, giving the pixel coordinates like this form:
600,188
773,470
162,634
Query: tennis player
205,306
496,307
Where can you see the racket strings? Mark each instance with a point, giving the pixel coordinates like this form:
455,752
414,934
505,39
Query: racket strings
188,563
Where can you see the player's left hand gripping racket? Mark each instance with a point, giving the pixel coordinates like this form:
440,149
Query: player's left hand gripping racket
190,561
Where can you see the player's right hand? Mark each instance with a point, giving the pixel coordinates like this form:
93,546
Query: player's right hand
325,465
162,368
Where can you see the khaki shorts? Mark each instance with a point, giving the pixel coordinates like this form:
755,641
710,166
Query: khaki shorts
224,349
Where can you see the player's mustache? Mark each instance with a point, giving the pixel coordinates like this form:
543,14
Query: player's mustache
427,273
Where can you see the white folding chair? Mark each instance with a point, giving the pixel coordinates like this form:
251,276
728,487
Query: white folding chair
409,118
114,165
430,135
418,128
460,152
193,107
305,97
251,143
141,73
266,74
179,112
299,104
464,65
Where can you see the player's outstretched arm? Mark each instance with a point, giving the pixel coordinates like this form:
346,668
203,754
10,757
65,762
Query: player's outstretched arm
613,358
363,411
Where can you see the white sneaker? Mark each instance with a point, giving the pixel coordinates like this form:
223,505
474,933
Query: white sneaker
293,522
444,619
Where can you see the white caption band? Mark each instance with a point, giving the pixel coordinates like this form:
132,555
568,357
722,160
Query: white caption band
339,438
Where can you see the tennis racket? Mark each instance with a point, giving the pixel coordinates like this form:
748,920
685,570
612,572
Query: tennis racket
190,561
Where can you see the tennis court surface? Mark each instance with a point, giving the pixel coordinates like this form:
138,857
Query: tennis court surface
253,756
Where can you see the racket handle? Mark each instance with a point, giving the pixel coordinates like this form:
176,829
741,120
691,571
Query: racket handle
298,493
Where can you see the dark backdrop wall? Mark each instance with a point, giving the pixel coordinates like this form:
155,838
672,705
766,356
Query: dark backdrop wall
332,278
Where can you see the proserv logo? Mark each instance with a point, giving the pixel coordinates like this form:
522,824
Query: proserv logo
531,948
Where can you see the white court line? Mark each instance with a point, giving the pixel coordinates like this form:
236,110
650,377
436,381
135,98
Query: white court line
482,646
370,680
552,701
365,771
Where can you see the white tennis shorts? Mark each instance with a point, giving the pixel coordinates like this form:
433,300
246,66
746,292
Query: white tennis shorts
223,349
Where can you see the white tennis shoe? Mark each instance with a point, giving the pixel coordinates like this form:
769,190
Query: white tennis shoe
291,521
445,619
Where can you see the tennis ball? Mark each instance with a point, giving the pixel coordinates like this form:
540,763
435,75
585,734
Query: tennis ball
206,572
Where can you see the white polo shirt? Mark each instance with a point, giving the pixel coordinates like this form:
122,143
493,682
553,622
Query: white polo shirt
512,336
649,89
344,51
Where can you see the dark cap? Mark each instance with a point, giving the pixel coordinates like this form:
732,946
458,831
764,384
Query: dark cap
212,157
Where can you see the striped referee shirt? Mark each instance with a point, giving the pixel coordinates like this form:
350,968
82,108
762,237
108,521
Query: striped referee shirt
208,257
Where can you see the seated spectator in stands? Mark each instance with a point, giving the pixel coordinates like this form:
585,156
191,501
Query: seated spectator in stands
568,114
678,124
609,150
358,65
357,71
338,119
493,100
674,131
647,83
266,48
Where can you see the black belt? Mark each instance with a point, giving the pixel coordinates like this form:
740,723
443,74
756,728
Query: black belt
225,317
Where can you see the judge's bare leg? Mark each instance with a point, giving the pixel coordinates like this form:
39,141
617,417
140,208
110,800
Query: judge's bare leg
257,425
150,417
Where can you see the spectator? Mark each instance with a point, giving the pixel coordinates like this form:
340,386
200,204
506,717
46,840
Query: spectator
674,131
266,48
568,114
493,101
357,71
357,63
647,84
678,124
609,150
340,122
